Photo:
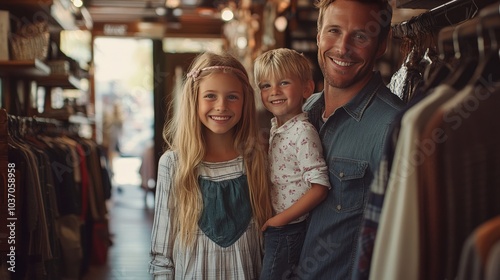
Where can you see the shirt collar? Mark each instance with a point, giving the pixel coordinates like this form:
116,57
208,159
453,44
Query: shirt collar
358,104
288,124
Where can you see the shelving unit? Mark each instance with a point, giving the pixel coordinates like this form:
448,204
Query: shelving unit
62,81
57,12
17,76
301,35
303,29
24,68
20,79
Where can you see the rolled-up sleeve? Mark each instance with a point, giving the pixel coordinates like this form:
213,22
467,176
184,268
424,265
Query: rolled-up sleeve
162,237
310,155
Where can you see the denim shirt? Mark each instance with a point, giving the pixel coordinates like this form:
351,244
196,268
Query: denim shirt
353,142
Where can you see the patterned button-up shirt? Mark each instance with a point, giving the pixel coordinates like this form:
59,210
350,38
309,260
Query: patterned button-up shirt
296,161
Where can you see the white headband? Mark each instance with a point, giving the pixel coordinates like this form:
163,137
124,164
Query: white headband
196,72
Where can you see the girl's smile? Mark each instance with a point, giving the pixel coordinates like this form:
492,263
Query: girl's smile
220,102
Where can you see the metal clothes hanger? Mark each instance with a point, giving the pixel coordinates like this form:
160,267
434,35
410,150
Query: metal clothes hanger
467,59
476,9
486,73
446,58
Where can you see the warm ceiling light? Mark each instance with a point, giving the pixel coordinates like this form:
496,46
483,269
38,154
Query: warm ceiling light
227,14
78,3
177,12
283,5
241,42
172,3
161,11
280,23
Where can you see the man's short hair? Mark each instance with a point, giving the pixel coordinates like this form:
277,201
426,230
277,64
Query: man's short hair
383,16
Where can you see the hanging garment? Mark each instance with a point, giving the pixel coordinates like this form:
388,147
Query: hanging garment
492,268
476,252
405,82
52,175
459,179
392,260
376,195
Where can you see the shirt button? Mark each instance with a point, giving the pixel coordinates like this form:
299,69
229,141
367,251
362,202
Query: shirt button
339,207
341,174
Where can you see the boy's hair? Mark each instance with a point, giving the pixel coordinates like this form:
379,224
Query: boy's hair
280,63
383,16
183,134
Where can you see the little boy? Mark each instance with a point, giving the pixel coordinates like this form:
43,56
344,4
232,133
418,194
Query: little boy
297,168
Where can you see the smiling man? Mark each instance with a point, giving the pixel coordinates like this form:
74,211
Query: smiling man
352,115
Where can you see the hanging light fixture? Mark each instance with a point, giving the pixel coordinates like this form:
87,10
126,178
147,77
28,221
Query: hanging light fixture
160,11
227,14
281,23
77,3
172,4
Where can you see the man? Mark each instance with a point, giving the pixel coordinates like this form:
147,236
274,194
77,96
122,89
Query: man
352,115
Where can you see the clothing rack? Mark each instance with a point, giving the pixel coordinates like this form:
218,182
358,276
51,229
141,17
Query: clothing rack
471,38
21,125
45,120
464,46
432,41
60,183
450,13
4,165
452,189
3,135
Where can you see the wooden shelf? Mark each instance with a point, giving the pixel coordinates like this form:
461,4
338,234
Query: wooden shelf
78,119
24,68
58,12
19,76
39,71
62,116
62,81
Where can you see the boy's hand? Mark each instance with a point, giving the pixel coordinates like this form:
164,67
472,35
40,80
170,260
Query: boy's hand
273,222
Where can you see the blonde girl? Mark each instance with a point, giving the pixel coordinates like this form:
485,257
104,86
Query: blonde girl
212,191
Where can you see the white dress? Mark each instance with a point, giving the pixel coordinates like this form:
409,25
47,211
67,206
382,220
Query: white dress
206,260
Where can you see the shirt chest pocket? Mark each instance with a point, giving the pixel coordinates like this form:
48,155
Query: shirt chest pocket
349,186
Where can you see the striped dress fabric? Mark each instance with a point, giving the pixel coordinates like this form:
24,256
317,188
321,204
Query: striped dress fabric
206,259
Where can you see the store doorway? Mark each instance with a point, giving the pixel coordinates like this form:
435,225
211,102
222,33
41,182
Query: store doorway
124,106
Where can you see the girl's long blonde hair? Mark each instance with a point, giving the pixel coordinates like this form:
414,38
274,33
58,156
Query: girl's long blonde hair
183,134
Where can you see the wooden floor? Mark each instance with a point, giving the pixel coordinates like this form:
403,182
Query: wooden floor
130,225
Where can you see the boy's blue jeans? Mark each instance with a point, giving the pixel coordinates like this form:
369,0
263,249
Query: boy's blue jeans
282,246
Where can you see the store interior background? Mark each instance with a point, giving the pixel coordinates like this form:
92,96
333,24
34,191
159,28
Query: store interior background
134,54
125,35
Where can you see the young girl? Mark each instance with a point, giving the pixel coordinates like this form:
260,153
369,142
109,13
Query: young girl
212,191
